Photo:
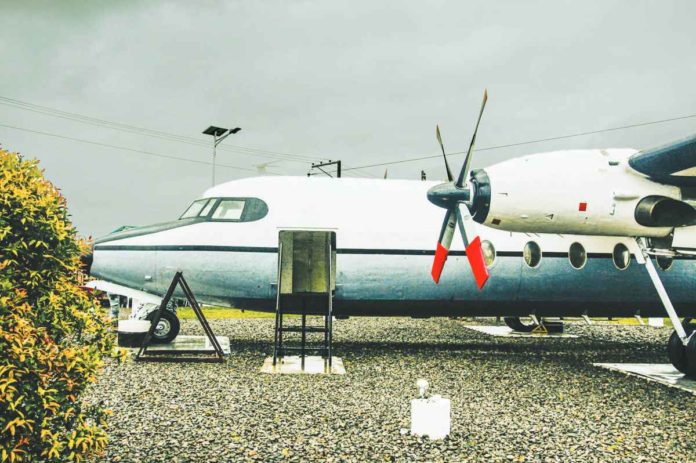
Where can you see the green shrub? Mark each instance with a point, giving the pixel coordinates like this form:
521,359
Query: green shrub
52,338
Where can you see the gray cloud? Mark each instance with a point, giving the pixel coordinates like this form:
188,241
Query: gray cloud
365,82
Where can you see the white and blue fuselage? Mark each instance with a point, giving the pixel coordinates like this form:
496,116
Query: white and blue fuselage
385,241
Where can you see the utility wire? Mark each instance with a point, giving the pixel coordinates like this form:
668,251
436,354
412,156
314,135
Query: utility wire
147,132
540,140
123,148
45,110
266,153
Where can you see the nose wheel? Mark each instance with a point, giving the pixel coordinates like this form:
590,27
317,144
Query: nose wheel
167,328
683,357
521,324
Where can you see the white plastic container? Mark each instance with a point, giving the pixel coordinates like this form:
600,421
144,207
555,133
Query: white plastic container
131,333
431,417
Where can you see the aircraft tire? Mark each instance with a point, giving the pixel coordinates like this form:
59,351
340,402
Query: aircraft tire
517,324
677,352
170,324
690,354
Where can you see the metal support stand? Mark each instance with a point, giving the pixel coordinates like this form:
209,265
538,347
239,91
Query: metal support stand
586,318
144,355
639,318
645,258
540,329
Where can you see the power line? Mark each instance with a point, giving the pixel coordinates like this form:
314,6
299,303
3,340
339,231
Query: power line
123,148
145,131
94,121
540,140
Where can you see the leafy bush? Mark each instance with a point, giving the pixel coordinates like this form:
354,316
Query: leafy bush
52,338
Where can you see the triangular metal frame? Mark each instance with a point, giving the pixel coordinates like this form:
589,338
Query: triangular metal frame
144,355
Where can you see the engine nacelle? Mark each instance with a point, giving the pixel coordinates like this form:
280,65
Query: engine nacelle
584,192
660,211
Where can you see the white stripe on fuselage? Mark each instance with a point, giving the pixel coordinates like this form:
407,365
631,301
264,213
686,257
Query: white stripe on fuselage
365,213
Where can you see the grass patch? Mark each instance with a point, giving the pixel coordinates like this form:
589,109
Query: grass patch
631,321
218,313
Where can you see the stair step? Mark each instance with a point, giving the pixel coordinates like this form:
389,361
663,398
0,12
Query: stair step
307,329
306,349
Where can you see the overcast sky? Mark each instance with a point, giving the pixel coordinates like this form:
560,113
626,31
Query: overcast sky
360,81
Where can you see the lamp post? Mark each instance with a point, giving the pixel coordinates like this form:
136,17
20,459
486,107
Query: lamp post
218,134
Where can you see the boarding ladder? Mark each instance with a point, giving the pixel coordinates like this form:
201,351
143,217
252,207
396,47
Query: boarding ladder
304,296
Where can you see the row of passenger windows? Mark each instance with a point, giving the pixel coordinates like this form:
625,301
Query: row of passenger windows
577,256
227,209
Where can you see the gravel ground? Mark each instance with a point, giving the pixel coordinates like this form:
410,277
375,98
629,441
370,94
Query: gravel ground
512,399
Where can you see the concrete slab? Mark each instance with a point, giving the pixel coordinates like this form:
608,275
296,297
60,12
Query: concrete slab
191,343
313,365
504,331
663,373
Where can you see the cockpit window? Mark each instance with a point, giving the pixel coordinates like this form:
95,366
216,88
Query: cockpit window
229,209
194,209
206,210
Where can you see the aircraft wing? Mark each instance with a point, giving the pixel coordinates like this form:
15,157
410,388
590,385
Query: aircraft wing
672,164
113,288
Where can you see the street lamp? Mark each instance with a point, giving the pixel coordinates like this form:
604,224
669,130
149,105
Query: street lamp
218,134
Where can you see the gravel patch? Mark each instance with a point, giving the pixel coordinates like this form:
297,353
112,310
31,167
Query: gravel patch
513,399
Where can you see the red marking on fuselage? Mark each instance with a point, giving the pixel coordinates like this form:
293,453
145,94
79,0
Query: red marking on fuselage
582,207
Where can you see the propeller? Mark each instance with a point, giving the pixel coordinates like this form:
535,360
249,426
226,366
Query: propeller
458,199
442,147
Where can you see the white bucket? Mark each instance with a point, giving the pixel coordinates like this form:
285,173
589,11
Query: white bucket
430,417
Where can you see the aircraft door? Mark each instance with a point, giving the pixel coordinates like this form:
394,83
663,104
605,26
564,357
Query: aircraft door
305,258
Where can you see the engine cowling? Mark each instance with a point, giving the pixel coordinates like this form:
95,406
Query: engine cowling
660,211
584,192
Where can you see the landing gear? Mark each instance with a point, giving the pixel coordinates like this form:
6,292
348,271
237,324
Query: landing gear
682,357
167,328
517,324
681,347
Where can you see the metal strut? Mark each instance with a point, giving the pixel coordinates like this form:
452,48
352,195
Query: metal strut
278,339
659,287
175,355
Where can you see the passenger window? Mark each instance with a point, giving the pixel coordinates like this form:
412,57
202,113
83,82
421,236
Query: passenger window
488,253
532,254
577,256
229,209
664,262
621,256
194,209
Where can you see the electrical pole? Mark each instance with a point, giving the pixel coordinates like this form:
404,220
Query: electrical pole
326,164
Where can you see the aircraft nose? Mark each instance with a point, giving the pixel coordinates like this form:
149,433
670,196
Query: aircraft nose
87,259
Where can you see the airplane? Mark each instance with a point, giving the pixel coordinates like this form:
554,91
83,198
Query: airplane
560,234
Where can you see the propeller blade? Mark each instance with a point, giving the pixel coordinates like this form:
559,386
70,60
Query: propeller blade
474,251
464,173
443,244
450,177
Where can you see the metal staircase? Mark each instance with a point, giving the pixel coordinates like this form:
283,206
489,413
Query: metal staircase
304,298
